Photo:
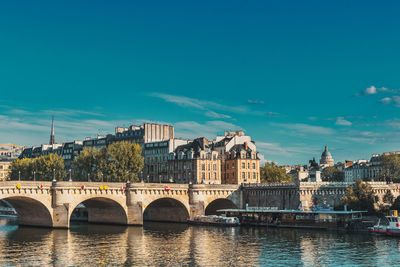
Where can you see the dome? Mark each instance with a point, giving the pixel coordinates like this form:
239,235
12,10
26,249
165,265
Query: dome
326,158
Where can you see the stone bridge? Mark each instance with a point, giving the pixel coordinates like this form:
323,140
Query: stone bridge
290,195
50,204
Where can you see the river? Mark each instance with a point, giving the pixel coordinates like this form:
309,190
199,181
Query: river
167,244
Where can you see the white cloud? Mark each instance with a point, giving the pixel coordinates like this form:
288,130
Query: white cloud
215,115
386,100
192,129
305,128
208,106
370,90
341,121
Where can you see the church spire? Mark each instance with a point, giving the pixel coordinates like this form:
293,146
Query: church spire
52,138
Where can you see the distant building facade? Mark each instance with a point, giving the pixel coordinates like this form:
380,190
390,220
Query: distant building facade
195,163
326,159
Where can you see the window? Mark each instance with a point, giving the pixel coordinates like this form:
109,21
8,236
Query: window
203,167
254,175
215,176
214,167
243,175
243,165
203,176
254,166
248,165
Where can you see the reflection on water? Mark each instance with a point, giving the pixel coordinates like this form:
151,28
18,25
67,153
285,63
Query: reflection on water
164,244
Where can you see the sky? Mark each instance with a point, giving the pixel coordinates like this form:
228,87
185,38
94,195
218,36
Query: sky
294,75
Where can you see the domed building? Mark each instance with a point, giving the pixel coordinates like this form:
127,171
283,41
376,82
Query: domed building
326,159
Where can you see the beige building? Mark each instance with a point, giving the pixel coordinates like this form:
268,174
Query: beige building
240,165
195,163
4,170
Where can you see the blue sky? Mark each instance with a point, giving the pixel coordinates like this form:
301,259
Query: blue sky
295,75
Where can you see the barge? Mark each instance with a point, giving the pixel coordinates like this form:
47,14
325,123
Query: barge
388,225
326,219
214,220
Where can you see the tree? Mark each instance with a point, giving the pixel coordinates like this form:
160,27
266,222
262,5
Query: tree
89,163
396,204
332,174
271,173
45,167
49,167
388,197
22,168
122,161
360,197
391,167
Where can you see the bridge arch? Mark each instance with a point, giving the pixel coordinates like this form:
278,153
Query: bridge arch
102,210
218,204
31,211
166,210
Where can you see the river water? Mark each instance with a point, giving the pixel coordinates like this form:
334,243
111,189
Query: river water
165,244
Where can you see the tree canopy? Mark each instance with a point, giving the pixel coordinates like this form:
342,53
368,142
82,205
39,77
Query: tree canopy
117,162
360,197
332,174
391,167
271,173
45,168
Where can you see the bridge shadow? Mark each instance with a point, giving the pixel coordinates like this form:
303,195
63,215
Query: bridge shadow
166,210
219,204
99,211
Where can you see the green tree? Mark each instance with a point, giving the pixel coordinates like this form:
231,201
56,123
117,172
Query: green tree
89,163
271,173
388,197
360,197
23,167
45,166
49,167
391,167
332,174
396,204
122,161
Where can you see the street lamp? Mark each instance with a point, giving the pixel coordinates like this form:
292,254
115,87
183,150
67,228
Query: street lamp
148,178
19,175
102,177
159,178
141,176
88,177
54,175
70,176
34,176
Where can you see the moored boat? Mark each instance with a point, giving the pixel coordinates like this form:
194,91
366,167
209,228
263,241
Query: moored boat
389,225
214,220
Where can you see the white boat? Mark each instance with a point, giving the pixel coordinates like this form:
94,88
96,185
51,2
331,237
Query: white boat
214,220
389,225
8,212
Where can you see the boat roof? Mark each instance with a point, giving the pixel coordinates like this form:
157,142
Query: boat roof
293,211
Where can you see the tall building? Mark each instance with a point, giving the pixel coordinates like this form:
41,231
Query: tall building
240,161
146,133
326,159
240,165
195,163
156,156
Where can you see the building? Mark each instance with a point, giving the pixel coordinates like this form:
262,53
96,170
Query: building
240,160
7,154
146,133
195,163
240,164
326,159
156,156
359,169
70,151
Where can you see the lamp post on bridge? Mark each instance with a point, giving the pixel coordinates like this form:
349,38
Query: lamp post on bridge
159,178
34,176
19,175
70,176
141,176
54,175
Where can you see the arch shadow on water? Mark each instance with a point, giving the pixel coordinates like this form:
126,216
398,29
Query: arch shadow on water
219,204
166,210
30,212
99,210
